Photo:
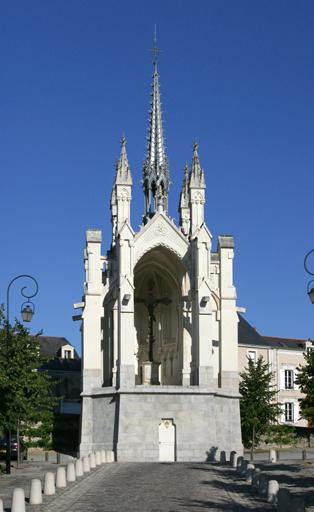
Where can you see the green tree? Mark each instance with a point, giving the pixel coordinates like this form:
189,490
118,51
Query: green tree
258,406
27,392
305,380
281,435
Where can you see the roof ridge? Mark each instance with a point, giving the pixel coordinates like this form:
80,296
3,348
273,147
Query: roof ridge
284,338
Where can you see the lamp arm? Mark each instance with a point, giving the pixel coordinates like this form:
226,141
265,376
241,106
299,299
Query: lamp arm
305,262
27,276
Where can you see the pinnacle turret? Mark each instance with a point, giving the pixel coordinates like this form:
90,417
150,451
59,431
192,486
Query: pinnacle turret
184,205
197,174
123,172
121,193
184,196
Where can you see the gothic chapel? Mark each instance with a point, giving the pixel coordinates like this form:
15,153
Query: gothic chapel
159,322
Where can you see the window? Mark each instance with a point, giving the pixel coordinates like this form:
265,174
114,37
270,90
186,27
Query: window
67,352
289,406
289,379
252,355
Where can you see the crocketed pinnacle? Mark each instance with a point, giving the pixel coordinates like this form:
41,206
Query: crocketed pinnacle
184,196
123,172
197,179
156,178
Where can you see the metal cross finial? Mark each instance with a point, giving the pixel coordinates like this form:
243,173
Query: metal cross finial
155,50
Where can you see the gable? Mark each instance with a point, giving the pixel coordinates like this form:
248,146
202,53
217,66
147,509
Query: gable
160,231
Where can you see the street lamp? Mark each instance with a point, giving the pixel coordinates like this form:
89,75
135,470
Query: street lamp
27,311
310,285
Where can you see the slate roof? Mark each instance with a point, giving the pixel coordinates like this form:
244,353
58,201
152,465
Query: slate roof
62,365
248,335
51,345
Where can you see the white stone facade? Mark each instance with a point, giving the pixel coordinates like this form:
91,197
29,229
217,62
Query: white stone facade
159,322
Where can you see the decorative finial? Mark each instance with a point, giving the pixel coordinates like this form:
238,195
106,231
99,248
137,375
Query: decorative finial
195,146
123,140
155,50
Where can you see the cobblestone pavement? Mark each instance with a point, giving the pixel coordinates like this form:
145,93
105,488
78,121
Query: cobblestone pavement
153,487
298,477
160,487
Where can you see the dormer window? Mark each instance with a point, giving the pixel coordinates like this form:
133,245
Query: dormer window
67,352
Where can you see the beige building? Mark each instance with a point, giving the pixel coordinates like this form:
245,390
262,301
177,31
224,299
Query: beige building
284,356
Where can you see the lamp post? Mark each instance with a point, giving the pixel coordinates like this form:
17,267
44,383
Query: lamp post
27,312
310,285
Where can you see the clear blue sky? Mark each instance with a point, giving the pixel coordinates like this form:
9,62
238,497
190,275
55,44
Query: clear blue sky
238,76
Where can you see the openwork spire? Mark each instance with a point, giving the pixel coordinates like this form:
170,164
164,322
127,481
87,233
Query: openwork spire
156,179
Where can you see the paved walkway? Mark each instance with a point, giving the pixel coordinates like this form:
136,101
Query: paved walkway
153,487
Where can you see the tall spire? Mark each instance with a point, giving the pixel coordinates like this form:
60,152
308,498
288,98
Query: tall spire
156,179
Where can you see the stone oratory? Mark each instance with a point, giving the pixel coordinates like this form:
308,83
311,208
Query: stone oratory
159,321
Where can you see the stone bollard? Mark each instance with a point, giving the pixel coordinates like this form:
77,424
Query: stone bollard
283,500
110,455
232,454
235,461
78,468
49,485
18,500
303,454
92,460
103,456
243,467
272,455
272,491
98,458
296,504
239,462
255,478
61,480
35,495
263,484
71,477
222,457
249,472
86,464
1,505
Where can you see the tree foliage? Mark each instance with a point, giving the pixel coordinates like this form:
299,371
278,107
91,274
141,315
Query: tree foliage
280,435
258,406
27,392
305,380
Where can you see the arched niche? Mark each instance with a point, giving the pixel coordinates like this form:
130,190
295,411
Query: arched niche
161,273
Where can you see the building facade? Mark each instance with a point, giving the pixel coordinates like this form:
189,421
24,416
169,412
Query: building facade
159,321
64,365
284,355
